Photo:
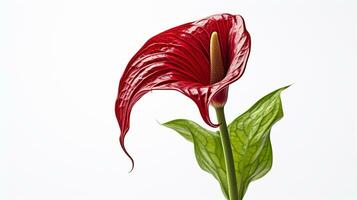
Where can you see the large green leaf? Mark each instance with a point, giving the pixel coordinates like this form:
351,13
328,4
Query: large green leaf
208,148
250,139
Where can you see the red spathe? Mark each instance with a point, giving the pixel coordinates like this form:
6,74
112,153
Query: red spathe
178,59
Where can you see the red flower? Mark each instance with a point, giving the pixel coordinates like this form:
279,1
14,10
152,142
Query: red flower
179,59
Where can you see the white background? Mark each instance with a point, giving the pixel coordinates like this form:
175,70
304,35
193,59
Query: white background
60,64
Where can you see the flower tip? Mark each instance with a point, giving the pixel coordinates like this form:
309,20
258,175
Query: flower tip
121,140
214,35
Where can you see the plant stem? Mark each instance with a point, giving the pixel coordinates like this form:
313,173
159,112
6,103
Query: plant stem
228,155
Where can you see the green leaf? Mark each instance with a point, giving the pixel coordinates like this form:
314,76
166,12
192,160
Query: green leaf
208,148
250,140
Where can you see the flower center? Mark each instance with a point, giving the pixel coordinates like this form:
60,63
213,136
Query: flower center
217,68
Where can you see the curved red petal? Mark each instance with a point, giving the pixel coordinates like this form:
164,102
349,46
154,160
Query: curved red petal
178,59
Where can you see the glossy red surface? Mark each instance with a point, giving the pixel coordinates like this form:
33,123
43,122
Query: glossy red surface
220,98
178,59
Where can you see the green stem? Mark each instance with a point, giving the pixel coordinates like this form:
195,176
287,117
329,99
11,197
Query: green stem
228,155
